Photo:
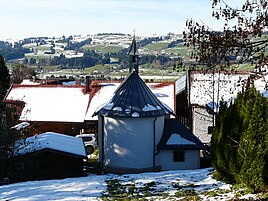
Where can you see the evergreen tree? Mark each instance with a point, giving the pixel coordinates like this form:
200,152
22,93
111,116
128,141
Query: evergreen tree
7,138
225,141
4,78
252,146
7,162
239,143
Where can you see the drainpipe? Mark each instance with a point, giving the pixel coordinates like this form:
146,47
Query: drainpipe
102,140
154,144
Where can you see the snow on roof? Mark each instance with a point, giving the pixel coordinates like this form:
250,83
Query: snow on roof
51,140
163,91
261,85
21,125
177,136
180,84
177,139
29,82
100,98
201,86
50,103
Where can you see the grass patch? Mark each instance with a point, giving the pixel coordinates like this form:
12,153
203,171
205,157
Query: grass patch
216,192
97,68
187,195
103,48
243,67
43,47
120,190
183,51
156,46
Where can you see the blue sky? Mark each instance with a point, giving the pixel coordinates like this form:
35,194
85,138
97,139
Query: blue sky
27,18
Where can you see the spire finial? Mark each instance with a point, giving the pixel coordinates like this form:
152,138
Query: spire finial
133,54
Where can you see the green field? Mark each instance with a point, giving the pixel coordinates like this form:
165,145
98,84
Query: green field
243,67
42,48
103,48
182,51
39,56
156,46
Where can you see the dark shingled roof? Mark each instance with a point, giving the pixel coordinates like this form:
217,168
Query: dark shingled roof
174,127
133,98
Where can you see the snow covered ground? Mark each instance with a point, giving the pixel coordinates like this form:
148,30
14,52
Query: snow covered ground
167,185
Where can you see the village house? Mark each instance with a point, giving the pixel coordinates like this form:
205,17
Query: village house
199,93
48,108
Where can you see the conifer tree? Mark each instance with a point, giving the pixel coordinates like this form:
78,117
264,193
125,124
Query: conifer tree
239,143
6,138
252,146
225,141
4,78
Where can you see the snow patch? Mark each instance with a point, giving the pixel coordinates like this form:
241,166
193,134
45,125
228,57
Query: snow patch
21,125
149,107
127,111
108,106
94,186
135,114
119,109
176,139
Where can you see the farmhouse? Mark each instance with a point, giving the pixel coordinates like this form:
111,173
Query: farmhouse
199,93
48,107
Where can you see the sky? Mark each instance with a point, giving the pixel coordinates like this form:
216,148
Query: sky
30,18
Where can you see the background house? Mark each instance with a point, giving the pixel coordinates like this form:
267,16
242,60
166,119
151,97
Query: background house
48,107
198,94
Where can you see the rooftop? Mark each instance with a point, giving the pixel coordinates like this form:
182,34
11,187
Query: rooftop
50,102
50,140
177,136
133,98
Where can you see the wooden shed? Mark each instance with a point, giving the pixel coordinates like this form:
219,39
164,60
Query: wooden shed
49,156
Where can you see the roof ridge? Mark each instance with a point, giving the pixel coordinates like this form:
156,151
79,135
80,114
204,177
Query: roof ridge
48,86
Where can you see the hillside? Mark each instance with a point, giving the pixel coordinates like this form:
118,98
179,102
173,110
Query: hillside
104,55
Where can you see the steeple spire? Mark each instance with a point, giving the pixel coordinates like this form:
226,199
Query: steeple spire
133,54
